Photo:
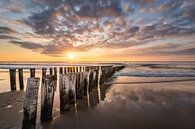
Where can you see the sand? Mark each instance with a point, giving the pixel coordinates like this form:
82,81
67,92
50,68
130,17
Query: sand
136,106
167,105
11,109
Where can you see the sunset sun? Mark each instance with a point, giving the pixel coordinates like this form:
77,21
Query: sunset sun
71,56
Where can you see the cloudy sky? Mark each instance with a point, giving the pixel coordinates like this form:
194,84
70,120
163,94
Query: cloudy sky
97,30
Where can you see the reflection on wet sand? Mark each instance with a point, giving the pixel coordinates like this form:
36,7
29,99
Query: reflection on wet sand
136,106
92,99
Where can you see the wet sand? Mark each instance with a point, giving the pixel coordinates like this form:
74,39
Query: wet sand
11,109
168,105
138,106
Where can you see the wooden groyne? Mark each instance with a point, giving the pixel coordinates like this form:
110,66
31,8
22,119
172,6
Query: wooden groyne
75,83
30,103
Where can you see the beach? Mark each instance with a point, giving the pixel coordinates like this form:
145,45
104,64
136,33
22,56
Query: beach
122,102
11,110
145,106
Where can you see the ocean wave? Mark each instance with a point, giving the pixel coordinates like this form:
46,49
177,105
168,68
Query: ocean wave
185,66
158,81
143,73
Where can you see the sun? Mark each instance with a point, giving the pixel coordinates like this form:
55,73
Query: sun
71,56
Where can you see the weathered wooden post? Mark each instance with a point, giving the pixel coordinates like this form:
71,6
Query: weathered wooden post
87,68
69,70
63,87
61,70
47,97
21,81
12,73
77,69
63,93
90,80
93,98
73,70
30,103
72,88
44,72
86,83
55,73
95,77
81,69
51,71
67,91
79,85
32,72
102,77
65,70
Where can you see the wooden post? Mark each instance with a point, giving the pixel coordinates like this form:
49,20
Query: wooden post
90,80
47,97
51,71
72,88
55,78
73,70
67,91
65,70
12,73
93,98
30,103
79,85
55,73
32,72
84,69
77,69
95,78
61,70
69,70
64,105
21,81
80,69
87,68
44,72
86,83
102,77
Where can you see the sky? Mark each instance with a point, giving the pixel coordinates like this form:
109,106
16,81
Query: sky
97,30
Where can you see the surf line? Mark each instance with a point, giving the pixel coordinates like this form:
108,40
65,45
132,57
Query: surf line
166,81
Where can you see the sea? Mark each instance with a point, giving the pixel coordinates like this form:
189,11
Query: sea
159,71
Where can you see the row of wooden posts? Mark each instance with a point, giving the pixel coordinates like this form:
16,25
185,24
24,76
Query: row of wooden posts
74,83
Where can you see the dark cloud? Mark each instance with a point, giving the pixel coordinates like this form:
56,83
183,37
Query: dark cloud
8,37
168,49
6,30
52,49
7,33
28,45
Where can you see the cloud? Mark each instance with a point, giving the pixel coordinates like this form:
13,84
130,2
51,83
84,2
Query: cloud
7,33
168,49
28,45
8,37
52,49
6,30
81,25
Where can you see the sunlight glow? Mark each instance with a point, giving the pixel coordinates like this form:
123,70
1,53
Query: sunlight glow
71,56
